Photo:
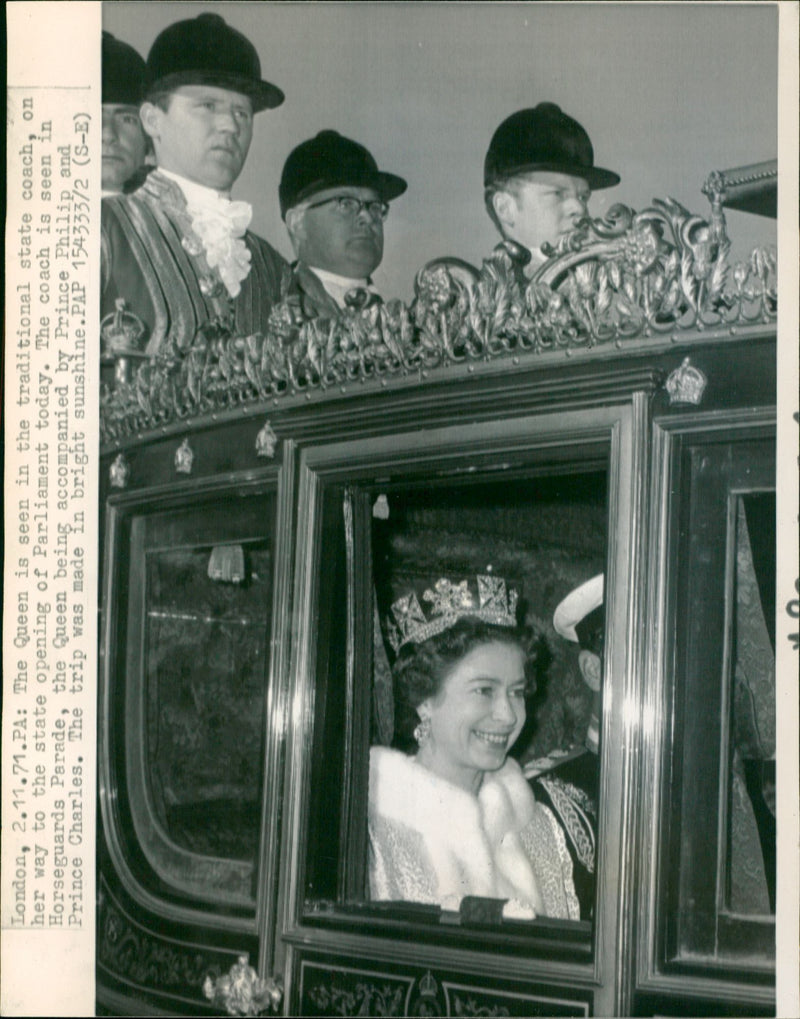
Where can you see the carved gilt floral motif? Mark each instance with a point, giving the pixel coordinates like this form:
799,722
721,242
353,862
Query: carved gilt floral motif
662,272
363,999
131,953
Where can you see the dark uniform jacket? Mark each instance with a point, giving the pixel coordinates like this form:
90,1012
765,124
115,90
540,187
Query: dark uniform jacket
570,791
314,299
150,260
308,290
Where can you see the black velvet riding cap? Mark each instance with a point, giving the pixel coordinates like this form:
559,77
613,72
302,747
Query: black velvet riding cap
207,51
327,161
123,72
543,138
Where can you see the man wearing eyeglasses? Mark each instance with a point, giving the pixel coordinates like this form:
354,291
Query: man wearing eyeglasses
334,201
538,175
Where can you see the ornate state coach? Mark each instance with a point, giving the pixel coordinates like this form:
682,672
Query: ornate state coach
614,414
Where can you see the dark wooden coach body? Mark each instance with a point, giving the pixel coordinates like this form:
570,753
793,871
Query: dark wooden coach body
616,416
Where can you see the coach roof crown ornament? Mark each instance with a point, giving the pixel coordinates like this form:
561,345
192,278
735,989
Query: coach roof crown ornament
266,441
119,472
121,331
686,384
184,458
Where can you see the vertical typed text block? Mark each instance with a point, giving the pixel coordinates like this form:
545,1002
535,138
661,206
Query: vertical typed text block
50,510
51,344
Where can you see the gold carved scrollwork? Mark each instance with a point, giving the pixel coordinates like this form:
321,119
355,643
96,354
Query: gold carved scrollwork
659,273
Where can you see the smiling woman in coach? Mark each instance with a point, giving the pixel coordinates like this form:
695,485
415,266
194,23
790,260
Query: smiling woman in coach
456,817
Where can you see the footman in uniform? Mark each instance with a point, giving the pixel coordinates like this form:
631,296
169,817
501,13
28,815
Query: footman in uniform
538,175
334,201
178,251
125,145
568,782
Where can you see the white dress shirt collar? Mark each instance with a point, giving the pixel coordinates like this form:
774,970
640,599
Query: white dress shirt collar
197,196
337,286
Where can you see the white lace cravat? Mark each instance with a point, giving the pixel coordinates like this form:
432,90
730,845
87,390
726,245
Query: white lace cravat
220,224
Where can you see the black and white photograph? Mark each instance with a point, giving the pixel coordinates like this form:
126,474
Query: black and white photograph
446,653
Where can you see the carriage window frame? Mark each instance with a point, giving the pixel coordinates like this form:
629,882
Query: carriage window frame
365,467
732,947
148,883
718,460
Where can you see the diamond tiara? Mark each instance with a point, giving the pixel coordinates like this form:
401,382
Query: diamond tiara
449,601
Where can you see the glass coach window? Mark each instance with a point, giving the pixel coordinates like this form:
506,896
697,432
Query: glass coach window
541,525
198,582
714,895
721,862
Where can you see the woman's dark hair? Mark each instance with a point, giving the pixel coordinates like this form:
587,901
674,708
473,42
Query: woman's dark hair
420,669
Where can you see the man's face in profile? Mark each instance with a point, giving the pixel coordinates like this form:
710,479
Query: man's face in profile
124,144
540,207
